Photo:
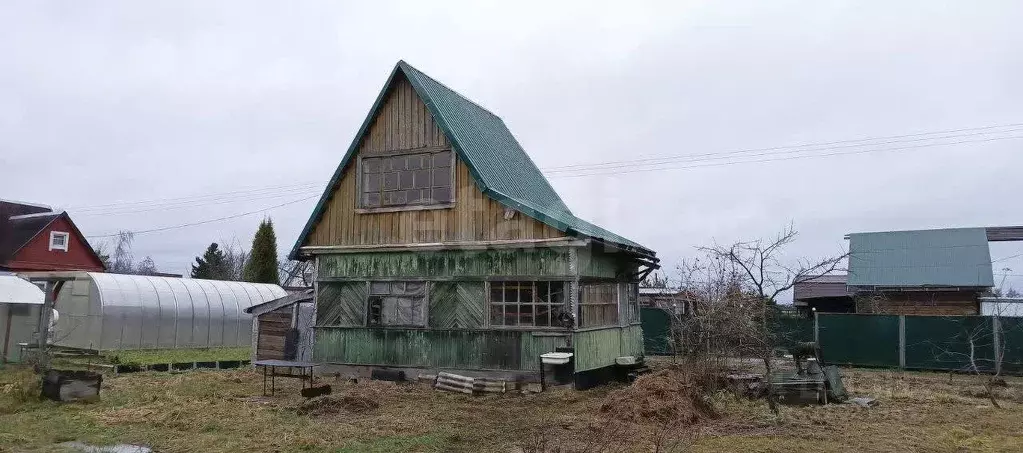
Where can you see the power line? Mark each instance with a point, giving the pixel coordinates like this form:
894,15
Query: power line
568,170
583,172
719,164
1007,258
158,201
183,205
750,153
202,222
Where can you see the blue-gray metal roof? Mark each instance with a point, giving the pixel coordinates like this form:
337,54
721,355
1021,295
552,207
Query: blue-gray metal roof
946,257
497,162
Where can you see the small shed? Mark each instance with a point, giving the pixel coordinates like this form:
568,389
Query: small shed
20,302
282,328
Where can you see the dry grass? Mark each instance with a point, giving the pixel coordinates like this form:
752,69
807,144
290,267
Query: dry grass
221,411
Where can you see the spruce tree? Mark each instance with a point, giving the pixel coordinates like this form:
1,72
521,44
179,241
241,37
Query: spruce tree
212,265
262,264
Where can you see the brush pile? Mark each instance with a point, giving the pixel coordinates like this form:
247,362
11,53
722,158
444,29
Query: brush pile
671,395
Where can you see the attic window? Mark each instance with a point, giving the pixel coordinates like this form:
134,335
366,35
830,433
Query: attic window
58,240
419,178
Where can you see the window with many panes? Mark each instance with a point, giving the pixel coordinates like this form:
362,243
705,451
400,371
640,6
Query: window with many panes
598,304
397,304
414,179
530,304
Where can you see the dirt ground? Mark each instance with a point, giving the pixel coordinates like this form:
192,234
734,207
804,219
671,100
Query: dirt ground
221,411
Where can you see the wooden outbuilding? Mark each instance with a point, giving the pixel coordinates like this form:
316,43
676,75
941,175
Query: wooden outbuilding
282,328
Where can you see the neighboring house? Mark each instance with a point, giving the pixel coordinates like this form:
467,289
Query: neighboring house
823,293
925,272
672,299
36,238
438,244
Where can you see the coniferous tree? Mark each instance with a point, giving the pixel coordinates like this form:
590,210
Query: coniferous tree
261,266
212,265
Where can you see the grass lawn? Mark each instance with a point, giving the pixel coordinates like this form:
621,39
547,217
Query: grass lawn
214,411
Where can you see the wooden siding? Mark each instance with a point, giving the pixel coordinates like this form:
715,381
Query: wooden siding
934,303
273,330
404,123
538,262
459,305
595,263
341,304
599,348
36,255
453,349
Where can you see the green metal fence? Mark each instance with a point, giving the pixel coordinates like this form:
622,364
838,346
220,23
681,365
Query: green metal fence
953,343
791,331
944,343
1011,344
865,340
656,331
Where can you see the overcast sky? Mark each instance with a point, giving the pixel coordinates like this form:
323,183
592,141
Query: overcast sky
105,105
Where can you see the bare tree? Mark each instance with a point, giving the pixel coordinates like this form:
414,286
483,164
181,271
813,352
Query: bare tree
984,335
146,267
234,257
763,276
295,273
121,261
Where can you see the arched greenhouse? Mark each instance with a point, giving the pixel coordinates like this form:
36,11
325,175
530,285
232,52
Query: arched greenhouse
111,311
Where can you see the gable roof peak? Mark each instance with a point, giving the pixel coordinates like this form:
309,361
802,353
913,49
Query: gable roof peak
411,71
496,161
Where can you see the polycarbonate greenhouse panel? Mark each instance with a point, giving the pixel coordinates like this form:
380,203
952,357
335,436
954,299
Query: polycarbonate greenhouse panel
145,312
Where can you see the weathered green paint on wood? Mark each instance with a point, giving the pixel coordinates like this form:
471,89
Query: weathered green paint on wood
599,348
595,263
341,304
541,262
454,349
457,305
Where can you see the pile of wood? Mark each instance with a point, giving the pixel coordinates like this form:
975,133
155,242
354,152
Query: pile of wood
463,384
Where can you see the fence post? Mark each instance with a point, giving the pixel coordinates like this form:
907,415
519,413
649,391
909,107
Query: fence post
816,330
902,341
996,334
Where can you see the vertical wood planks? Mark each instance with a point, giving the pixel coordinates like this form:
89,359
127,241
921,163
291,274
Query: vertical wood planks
404,122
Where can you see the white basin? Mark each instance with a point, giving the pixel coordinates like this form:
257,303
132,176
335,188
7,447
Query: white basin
556,358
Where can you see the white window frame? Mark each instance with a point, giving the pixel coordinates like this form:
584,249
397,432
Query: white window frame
56,234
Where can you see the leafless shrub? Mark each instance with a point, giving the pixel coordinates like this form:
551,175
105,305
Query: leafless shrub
735,288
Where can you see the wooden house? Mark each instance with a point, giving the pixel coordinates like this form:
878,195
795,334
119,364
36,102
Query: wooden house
34,238
921,272
439,245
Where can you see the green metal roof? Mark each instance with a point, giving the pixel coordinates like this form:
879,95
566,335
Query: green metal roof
947,257
497,162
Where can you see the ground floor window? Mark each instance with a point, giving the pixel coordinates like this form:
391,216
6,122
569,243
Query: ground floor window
397,304
524,303
598,304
